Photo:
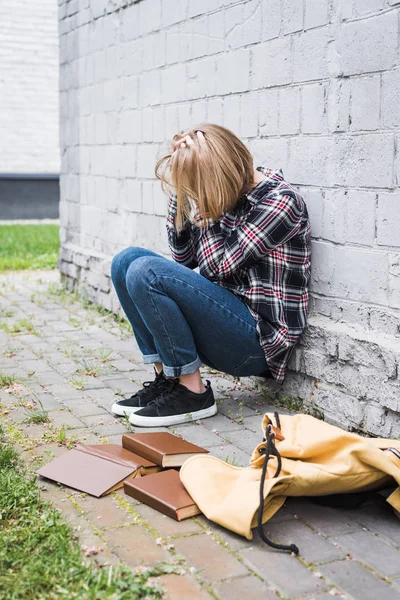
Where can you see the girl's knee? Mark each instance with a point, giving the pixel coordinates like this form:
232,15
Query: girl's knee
122,261
143,272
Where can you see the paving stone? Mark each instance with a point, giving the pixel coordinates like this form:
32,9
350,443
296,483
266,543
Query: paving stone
183,587
165,525
245,440
313,547
358,582
329,521
104,396
231,409
86,408
234,541
380,520
123,365
197,434
373,551
64,391
62,418
283,571
244,587
231,455
135,546
91,383
212,560
47,401
104,425
125,386
221,424
104,512
36,365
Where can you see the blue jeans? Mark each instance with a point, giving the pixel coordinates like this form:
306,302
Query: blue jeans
183,320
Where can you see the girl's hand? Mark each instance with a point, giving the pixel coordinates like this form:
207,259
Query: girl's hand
183,139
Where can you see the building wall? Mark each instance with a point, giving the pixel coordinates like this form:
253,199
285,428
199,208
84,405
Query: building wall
28,88
312,86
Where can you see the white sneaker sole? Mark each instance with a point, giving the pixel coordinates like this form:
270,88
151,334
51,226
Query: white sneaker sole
142,421
122,411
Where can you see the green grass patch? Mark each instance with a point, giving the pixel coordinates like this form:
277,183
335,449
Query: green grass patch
41,558
28,247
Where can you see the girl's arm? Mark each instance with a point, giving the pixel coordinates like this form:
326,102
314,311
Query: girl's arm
271,223
180,243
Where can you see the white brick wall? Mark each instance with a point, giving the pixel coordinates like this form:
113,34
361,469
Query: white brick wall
29,87
312,86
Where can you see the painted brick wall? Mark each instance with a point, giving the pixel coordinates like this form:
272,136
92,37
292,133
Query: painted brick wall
29,140
312,86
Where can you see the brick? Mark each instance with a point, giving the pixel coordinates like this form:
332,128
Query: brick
289,110
173,83
367,6
268,112
149,17
360,217
135,546
249,115
365,103
292,17
310,160
364,49
232,113
271,152
274,567
390,89
388,219
208,555
181,587
338,105
333,226
352,167
357,581
271,19
233,72
313,42
173,12
316,13
272,63
252,22
314,114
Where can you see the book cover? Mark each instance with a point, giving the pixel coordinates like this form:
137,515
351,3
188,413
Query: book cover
164,492
163,448
96,470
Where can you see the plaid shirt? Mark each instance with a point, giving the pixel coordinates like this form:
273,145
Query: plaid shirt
261,252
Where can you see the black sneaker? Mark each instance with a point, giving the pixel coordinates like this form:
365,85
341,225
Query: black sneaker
150,391
174,406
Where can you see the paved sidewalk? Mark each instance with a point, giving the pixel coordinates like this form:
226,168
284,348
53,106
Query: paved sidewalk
72,360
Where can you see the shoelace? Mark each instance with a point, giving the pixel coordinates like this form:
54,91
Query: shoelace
270,448
166,396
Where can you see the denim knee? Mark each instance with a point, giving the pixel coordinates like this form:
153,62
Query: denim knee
140,273
122,261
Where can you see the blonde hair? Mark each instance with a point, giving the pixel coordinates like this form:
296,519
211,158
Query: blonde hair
214,171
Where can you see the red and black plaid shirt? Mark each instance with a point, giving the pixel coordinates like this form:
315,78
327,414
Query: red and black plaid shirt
261,252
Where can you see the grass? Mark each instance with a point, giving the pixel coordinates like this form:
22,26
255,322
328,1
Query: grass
28,247
41,558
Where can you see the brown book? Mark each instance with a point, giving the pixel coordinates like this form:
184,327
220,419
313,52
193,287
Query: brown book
161,447
97,470
165,492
